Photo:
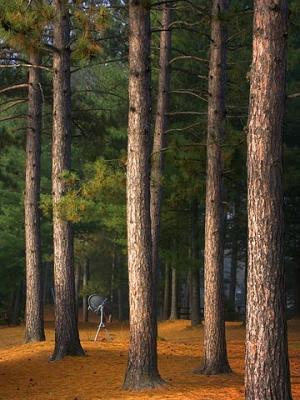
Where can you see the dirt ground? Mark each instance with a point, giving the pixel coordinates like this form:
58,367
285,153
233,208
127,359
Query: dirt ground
27,374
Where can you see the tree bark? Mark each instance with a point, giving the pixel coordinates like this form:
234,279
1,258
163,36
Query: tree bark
34,318
159,134
85,310
267,366
174,312
66,330
166,304
142,371
215,354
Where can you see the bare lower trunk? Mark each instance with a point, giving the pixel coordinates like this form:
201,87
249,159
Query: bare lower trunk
142,369
267,366
34,319
195,314
174,312
66,329
234,249
45,282
120,304
166,304
77,285
215,354
14,317
113,272
85,311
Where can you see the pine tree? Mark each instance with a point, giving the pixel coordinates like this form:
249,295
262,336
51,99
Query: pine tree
142,369
66,330
215,354
267,366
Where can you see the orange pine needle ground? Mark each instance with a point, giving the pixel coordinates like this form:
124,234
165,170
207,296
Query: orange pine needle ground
27,374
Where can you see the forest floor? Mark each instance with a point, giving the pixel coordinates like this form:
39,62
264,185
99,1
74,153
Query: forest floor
27,374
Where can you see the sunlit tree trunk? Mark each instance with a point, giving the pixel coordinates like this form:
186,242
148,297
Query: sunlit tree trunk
66,330
34,318
142,369
215,354
267,366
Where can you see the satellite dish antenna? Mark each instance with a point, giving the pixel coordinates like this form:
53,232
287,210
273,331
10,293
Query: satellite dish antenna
98,304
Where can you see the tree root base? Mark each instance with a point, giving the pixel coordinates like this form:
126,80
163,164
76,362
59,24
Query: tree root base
66,350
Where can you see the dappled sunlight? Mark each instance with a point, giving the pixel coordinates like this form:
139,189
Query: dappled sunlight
26,372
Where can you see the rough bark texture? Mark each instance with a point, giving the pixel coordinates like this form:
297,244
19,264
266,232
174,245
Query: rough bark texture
166,303
142,369
215,354
159,134
267,366
174,312
34,319
66,330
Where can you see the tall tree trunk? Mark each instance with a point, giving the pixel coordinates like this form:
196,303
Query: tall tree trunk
34,318
142,369
267,366
16,305
66,330
86,272
195,314
215,354
45,282
120,304
166,304
113,272
159,135
77,286
235,248
174,312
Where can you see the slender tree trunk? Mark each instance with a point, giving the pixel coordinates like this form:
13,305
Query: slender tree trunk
113,272
120,304
85,311
66,330
16,305
195,314
77,286
215,354
267,366
142,369
34,318
45,282
174,312
159,134
166,305
234,249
